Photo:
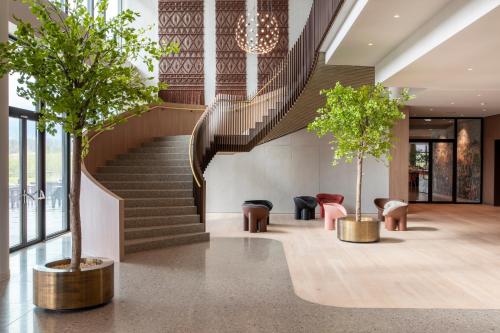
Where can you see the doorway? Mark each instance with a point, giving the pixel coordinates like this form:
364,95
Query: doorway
445,162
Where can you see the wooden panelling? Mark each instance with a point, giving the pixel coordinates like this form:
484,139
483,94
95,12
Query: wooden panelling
323,77
170,119
491,133
270,61
398,167
182,21
230,59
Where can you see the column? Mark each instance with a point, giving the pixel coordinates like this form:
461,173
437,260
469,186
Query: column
4,153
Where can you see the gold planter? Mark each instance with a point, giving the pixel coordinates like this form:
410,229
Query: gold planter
62,289
366,231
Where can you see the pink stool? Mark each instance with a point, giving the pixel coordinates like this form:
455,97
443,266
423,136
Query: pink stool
333,211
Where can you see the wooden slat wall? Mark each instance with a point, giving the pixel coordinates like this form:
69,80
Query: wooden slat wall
173,119
324,76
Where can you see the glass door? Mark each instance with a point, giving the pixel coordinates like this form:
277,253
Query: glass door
418,177
442,171
26,194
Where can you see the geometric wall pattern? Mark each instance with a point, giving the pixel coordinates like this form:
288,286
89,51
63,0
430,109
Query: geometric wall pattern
230,59
182,21
271,60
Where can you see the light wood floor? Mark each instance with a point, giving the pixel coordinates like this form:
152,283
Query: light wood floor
449,258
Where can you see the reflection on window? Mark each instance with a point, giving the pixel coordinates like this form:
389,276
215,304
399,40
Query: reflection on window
468,160
14,99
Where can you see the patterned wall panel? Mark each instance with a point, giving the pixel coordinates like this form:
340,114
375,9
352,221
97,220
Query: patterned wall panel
269,61
182,21
231,60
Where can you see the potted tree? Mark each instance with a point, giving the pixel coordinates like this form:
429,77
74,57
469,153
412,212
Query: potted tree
78,68
360,121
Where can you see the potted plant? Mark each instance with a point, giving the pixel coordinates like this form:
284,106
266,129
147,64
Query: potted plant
360,121
78,68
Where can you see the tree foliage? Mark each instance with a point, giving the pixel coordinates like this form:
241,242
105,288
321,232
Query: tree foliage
80,66
360,120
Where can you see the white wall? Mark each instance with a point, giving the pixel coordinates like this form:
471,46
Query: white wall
4,153
148,10
297,164
298,13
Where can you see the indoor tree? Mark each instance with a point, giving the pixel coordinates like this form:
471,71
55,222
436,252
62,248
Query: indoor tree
360,121
78,68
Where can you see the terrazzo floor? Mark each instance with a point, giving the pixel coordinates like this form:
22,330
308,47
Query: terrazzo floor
227,285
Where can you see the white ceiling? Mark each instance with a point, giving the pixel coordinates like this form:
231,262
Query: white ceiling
440,79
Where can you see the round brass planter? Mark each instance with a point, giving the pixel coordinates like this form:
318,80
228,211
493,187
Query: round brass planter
62,289
366,231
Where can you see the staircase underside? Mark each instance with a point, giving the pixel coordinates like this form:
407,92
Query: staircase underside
323,77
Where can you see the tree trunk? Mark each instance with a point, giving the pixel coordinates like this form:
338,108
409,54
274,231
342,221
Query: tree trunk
74,197
358,187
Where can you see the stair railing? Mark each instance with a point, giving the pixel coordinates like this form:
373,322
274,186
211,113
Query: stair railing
234,124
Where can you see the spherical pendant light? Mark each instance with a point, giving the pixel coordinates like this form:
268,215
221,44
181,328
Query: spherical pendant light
257,34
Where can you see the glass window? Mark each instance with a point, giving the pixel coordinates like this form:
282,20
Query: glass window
468,160
15,185
55,186
113,9
432,128
14,99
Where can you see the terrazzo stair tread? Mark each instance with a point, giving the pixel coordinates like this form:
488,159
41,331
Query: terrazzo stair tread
165,150
152,221
142,185
152,162
160,211
142,177
145,155
173,144
179,155
186,138
165,230
144,244
145,169
137,194
158,202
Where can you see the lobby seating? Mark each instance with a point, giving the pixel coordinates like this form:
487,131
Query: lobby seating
324,198
395,213
333,211
255,217
380,203
266,203
305,207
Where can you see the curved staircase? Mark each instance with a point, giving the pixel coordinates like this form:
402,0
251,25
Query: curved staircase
156,184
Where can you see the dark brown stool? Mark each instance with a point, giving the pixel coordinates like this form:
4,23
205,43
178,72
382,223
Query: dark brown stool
255,217
396,218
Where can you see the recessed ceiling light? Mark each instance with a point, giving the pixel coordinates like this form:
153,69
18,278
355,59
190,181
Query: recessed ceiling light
428,119
431,109
396,16
478,95
452,103
370,44
485,109
469,69
483,103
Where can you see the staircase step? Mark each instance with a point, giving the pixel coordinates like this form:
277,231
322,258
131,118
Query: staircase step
185,138
147,156
175,155
159,211
166,230
152,221
158,202
172,144
143,177
148,185
131,194
145,169
143,244
151,162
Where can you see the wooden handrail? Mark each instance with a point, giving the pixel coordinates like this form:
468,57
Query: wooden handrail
220,130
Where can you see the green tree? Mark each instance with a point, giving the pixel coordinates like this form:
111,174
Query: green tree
360,121
79,67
